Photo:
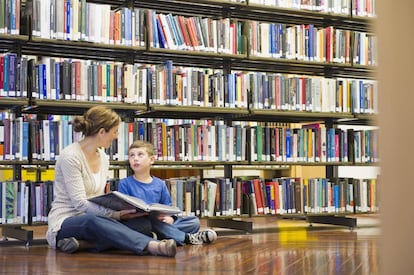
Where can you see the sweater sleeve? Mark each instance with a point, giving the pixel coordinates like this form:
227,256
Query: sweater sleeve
78,185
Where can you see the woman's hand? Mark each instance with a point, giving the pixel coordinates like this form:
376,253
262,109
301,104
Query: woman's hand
131,214
166,218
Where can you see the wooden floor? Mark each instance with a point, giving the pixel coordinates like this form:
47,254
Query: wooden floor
277,246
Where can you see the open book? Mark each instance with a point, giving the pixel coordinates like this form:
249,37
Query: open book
119,201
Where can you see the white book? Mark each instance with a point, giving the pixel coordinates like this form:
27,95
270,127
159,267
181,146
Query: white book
211,197
59,18
230,143
75,20
118,201
38,204
143,94
128,82
44,18
211,141
324,147
253,144
3,202
120,154
46,139
24,202
105,26
19,123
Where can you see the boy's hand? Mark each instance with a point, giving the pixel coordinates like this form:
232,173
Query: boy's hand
166,218
131,214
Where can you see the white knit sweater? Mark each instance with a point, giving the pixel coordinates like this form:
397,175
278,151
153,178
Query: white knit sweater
74,184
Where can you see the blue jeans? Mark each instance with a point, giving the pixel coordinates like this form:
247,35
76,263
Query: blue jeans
177,230
107,233
189,224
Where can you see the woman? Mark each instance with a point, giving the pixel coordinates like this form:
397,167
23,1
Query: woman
80,173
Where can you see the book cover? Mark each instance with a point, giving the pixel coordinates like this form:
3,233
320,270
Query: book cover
118,201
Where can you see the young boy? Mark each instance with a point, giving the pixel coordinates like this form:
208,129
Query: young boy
184,230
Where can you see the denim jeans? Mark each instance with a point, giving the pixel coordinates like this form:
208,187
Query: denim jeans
176,231
108,233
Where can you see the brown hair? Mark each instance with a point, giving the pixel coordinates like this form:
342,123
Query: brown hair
94,119
149,147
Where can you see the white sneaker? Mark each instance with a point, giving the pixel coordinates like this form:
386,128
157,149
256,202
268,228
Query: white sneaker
201,237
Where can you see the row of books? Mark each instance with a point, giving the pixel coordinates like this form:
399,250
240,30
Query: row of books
311,94
195,33
30,202
79,20
71,20
278,40
166,84
310,43
10,17
363,8
312,143
25,202
197,140
237,196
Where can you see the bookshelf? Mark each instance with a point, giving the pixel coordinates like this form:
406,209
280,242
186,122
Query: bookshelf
233,56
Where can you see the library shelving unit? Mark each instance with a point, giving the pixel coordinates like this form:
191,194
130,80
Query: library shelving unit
241,15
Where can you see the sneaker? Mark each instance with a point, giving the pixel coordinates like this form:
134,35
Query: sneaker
68,245
166,248
206,236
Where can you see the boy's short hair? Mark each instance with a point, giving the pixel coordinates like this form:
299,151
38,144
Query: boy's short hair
148,146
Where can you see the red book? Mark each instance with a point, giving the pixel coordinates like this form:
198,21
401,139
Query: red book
192,33
259,196
181,22
239,195
77,67
233,38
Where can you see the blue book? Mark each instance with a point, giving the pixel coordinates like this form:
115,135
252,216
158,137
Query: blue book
12,74
68,16
174,30
336,197
332,143
57,80
156,42
128,27
39,81
285,192
5,75
272,40
160,34
288,147
259,142
270,198
232,90
180,194
108,83
87,14
65,138
25,140
169,81
361,97
43,92
52,139
311,40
